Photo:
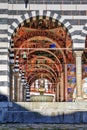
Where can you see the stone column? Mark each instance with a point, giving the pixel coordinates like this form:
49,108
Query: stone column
12,89
16,84
65,91
24,93
78,75
57,92
62,87
18,87
21,92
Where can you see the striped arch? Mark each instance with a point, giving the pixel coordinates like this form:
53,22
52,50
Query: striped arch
19,22
83,34
29,17
41,15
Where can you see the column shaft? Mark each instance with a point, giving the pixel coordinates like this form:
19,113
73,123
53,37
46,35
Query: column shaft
65,85
21,92
13,89
17,85
62,87
78,75
18,88
12,96
57,92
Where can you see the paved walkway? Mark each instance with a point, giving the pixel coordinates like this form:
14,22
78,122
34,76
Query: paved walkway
43,127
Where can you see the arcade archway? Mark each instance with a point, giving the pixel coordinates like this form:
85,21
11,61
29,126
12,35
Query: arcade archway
43,56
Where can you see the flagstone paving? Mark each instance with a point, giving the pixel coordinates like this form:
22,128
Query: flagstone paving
43,127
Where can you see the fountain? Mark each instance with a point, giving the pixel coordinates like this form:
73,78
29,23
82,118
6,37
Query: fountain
41,97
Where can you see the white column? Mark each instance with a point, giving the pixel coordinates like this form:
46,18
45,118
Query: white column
18,87
21,92
78,75
12,89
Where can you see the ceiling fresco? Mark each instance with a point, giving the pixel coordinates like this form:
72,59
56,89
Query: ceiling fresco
42,48
42,44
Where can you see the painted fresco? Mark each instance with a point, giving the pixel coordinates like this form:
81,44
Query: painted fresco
84,81
40,46
71,81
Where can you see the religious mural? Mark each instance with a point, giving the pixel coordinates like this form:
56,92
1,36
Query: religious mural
71,79
84,81
44,56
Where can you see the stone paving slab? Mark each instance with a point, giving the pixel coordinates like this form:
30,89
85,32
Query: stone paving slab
44,112
43,126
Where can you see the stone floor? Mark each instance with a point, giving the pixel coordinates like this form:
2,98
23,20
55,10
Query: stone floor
43,126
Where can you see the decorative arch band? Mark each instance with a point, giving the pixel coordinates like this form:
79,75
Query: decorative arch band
33,15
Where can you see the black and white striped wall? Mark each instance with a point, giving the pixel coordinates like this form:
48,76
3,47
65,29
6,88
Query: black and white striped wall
71,14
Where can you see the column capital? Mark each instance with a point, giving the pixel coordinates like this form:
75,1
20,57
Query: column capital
16,74
12,66
78,53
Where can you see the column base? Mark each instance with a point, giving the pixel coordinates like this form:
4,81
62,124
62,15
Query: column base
79,99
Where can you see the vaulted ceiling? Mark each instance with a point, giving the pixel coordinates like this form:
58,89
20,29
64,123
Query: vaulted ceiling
42,48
